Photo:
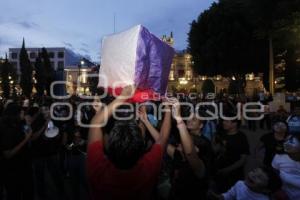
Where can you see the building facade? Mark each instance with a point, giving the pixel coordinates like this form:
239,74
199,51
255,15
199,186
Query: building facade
60,57
183,79
77,77
69,67
181,74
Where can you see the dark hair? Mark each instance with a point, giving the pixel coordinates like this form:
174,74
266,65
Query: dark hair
274,183
281,121
233,114
32,111
125,144
11,115
12,110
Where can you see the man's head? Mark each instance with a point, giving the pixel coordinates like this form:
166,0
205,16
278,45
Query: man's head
257,178
29,115
280,128
263,180
45,111
194,124
231,125
125,144
13,110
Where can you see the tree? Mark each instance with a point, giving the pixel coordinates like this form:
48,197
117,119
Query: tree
49,71
40,76
8,77
290,34
268,17
234,37
4,78
221,41
26,71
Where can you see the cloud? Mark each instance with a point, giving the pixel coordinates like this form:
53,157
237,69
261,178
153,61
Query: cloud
84,50
43,23
28,25
69,45
84,44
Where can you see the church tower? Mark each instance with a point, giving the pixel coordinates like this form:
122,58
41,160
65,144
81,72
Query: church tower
168,39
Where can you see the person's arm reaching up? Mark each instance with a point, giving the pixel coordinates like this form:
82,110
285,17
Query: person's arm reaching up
188,145
144,118
163,136
166,126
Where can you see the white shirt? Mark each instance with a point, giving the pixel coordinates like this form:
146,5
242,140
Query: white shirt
240,191
289,174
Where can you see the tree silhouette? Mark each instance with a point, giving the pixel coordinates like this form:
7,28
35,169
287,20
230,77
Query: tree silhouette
49,71
40,76
26,71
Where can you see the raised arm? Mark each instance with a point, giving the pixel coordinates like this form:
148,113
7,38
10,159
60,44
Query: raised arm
166,126
103,113
188,145
153,132
162,136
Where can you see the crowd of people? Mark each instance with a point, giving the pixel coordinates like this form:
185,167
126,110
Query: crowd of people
144,156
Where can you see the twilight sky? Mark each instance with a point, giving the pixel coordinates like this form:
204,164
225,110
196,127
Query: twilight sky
81,24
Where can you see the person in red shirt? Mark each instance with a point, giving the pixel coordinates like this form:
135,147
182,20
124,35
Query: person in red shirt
123,171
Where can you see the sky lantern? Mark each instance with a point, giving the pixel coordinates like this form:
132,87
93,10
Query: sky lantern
137,57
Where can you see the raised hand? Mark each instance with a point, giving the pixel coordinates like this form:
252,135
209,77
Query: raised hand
175,108
97,104
127,92
142,115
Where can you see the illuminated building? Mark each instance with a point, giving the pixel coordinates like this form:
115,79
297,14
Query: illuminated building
76,77
183,79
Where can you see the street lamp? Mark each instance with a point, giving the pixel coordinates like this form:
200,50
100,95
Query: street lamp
79,68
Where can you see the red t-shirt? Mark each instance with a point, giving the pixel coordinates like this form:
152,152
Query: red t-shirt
110,183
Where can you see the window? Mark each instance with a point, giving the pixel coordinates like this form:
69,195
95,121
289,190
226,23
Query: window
14,64
171,77
83,77
60,65
51,54
70,78
189,75
61,54
32,55
180,66
180,73
14,55
52,65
